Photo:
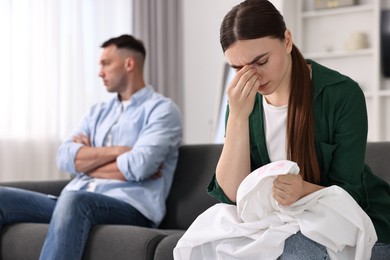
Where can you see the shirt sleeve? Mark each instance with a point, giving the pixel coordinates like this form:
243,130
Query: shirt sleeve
214,190
160,135
344,152
66,153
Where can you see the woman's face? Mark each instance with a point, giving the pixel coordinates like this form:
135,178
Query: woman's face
272,60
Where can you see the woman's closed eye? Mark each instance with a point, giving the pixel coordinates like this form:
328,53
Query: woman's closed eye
262,62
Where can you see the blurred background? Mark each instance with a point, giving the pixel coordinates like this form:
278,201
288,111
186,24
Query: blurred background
50,62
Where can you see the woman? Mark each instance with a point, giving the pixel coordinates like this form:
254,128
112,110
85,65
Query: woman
282,106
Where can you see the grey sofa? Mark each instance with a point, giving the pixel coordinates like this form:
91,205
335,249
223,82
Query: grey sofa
187,199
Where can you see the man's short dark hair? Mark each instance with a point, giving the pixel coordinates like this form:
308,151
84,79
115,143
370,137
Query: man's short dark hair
126,41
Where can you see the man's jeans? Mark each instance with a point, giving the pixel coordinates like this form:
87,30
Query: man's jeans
71,217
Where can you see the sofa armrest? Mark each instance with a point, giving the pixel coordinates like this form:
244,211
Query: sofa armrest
53,187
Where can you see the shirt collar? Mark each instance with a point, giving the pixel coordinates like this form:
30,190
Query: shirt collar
139,96
323,77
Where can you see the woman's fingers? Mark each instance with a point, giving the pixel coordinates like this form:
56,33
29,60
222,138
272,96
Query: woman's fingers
251,86
239,74
242,91
243,83
287,189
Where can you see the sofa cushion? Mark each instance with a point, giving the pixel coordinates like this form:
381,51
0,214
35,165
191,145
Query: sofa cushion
164,250
188,197
122,242
378,159
24,241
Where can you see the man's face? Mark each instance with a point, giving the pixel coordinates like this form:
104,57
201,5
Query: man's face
112,69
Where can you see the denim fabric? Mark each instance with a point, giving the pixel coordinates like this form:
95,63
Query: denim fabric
380,251
299,247
71,217
17,205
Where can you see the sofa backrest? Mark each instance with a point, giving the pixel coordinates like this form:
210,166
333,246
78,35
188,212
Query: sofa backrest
196,165
188,197
378,159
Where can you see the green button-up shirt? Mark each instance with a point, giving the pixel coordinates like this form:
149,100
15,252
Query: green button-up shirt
340,137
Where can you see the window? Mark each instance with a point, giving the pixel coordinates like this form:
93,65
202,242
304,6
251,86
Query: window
49,76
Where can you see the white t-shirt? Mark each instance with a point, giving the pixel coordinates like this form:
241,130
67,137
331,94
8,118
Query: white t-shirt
108,139
275,127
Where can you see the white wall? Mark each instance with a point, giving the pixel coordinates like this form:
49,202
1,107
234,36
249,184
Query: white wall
203,66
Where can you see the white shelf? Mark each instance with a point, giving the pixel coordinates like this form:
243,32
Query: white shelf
384,93
322,35
340,54
338,11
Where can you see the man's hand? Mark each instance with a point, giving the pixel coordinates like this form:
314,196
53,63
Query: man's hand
81,139
158,174
89,159
288,189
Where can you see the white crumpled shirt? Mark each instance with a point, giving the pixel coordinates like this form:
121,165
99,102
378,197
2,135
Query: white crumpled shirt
257,227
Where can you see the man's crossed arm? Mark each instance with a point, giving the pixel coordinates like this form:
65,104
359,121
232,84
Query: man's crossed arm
98,162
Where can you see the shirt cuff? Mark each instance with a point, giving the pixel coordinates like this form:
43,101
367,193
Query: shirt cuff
214,190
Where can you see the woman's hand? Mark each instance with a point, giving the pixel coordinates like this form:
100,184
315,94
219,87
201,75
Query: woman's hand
234,164
288,189
241,92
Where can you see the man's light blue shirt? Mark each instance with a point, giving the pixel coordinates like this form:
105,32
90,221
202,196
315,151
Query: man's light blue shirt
151,125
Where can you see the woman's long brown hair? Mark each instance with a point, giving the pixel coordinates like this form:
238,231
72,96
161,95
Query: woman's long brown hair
259,18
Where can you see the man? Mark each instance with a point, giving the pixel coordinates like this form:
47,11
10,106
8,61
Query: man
122,156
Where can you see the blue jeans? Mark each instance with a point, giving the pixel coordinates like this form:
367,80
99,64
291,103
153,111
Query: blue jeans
299,247
71,217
